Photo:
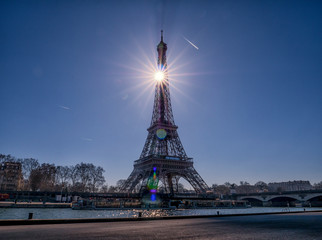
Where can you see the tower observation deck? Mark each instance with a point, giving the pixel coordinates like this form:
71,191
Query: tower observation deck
163,152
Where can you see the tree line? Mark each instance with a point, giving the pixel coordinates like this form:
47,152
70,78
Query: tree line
86,177
82,177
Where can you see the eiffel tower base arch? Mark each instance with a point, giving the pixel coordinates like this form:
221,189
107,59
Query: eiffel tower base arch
169,170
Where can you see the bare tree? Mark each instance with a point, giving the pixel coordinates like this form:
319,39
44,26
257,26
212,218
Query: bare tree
87,177
96,177
104,189
43,178
220,189
62,175
35,179
28,165
112,189
82,170
119,184
261,186
318,185
7,158
245,188
74,177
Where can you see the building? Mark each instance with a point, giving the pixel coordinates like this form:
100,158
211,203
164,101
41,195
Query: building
290,186
10,176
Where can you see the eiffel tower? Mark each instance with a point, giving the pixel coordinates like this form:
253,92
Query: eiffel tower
163,152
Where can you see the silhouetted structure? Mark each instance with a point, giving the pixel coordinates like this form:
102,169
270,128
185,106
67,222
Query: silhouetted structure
10,176
163,152
290,186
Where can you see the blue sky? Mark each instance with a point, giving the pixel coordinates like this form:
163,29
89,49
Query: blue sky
75,85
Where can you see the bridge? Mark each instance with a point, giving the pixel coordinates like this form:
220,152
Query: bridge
309,198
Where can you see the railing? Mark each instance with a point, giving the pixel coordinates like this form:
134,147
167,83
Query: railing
279,193
155,156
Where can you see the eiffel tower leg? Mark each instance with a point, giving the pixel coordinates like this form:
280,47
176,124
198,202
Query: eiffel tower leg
145,178
176,182
131,182
193,177
170,184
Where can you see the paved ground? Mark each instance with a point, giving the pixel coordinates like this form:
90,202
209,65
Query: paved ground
287,226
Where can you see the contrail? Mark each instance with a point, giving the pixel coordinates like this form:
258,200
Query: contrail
191,43
87,139
64,107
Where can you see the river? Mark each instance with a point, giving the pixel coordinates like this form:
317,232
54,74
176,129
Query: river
67,213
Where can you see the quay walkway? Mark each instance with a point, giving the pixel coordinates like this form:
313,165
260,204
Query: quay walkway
305,225
8,204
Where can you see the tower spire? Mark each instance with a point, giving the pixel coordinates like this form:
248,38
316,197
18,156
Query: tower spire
162,51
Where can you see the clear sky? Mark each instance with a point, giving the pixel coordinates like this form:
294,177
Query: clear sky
76,86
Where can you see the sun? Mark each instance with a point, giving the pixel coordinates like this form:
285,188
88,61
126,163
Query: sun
159,76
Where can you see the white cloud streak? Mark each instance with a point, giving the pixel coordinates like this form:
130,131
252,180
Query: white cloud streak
87,139
191,43
64,107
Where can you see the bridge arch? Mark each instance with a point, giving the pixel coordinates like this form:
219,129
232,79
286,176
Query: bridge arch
309,197
291,197
315,201
283,201
254,202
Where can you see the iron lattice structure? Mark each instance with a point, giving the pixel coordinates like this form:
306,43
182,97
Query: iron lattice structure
163,149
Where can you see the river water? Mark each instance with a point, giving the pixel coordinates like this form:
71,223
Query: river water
67,213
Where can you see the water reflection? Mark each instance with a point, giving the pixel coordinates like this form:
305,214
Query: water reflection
57,213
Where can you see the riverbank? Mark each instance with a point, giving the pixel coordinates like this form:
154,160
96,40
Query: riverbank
34,205
59,216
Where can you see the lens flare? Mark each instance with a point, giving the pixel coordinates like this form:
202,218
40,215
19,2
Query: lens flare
161,133
159,76
153,197
153,181
153,184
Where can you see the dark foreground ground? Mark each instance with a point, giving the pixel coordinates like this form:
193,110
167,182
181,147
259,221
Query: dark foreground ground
285,226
